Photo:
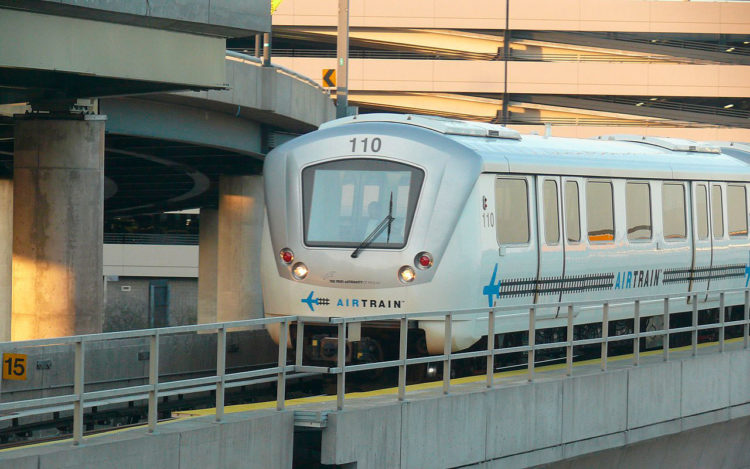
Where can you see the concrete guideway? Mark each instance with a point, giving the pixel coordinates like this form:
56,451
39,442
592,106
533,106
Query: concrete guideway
657,405
521,418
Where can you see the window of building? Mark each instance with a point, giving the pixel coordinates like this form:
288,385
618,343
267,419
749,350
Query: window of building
551,216
673,211
638,210
572,212
512,208
701,208
737,210
600,211
717,214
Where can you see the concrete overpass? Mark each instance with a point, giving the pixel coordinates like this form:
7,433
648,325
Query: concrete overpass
125,108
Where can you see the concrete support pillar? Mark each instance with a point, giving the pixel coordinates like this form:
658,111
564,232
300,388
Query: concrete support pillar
6,256
240,229
207,265
57,227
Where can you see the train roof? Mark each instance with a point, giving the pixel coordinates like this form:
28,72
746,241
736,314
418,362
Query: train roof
504,150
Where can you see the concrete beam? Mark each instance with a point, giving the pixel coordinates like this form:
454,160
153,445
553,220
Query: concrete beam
225,18
553,15
93,49
144,117
184,444
584,78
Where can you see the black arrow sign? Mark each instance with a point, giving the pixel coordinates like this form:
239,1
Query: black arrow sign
329,77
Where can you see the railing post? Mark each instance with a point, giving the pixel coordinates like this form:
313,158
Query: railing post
490,347
665,344
746,326
281,376
532,342
569,351
448,339
637,331
402,343
722,319
605,335
341,358
153,381
694,333
78,390
221,367
300,344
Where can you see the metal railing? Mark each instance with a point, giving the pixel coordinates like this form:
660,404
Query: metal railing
222,380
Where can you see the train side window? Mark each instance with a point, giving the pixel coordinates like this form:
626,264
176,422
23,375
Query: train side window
512,208
717,214
673,211
572,212
737,211
551,216
701,203
638,210
600,211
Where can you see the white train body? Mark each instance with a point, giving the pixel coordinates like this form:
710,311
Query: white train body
496,214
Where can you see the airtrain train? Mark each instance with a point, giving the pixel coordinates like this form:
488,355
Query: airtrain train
380,213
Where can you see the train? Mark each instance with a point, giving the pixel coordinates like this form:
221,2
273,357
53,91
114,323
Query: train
385,213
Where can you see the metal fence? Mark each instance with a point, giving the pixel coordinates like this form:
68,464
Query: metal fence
222,380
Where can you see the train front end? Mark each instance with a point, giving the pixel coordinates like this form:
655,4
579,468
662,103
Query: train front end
359,218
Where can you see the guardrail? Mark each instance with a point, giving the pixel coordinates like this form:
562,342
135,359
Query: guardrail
221,380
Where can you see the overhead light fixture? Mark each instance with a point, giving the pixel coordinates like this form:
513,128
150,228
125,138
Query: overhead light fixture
729,106
639,104
746,42
653,99
731,49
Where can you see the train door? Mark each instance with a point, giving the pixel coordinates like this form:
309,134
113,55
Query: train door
729,223
702,249
516,271
550,240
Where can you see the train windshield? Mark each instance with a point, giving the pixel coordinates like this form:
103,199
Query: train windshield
347,201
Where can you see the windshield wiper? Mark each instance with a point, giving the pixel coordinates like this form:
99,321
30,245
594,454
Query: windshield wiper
378,229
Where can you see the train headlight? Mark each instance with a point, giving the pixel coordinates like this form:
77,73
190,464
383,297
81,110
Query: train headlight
286,255
406,274
423,260
299,271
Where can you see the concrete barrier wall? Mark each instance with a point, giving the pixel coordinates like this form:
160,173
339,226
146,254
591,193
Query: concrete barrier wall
262,440
548,420
120,363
